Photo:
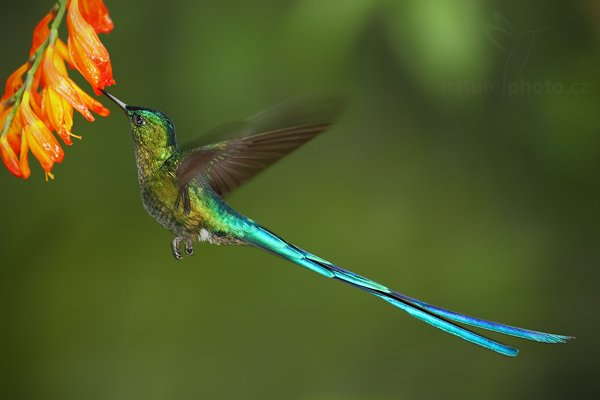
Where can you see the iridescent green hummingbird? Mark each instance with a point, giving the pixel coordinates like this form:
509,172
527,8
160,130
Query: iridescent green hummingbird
183,191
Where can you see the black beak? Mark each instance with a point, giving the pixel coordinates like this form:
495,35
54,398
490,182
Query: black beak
115,100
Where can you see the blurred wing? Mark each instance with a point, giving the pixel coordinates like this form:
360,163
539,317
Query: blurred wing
228,164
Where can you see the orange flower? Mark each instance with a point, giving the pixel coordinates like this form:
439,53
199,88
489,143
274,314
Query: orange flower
63,51
56,79
44,103
8,152
86,51
23,157
38,137
96,14
92,103
59,114
9,157
41,32
14,134
15,81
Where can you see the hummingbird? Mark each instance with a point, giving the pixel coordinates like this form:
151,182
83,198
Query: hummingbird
183,190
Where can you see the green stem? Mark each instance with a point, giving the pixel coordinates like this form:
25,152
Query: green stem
35,60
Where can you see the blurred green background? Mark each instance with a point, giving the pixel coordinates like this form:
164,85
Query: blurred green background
436,182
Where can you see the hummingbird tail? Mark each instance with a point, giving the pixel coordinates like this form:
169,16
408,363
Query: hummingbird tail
433,315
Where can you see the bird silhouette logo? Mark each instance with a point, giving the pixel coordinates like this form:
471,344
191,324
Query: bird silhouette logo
517,45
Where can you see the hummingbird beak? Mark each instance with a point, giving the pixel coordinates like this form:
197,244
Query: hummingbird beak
115,100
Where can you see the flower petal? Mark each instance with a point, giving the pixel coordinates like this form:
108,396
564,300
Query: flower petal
41,32
15,81
42,142
96,14
87,53
24,158
59,114
15,132
63,52
62,84
9,157
92,103
9,148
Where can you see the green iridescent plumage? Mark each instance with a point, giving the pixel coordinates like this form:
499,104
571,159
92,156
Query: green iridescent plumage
183,191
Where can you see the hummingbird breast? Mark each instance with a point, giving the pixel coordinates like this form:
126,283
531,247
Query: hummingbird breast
157,205
210,218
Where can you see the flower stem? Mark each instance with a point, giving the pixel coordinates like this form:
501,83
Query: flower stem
35,60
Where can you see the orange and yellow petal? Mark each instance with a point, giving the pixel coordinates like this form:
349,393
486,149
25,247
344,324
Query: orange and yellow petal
92,103
63,52
96,69
35,102
96,14
62,84
14,132
59,114
86,51
10,148
24,158
40,139
4,114
41,32
15,81
9,157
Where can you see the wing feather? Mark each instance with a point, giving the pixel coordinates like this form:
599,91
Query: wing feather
227,164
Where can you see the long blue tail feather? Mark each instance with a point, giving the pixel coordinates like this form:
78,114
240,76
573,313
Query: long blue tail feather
490,325
433,315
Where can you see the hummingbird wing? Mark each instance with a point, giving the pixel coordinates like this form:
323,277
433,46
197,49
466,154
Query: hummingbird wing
265,138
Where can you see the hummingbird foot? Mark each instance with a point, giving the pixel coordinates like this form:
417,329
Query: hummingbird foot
176,247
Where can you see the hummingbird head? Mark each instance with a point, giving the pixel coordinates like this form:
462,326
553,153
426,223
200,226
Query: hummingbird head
150,128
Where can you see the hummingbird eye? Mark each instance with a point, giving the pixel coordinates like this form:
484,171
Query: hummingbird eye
138,120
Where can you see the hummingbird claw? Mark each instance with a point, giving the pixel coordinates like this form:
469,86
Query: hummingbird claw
189,248
176,247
